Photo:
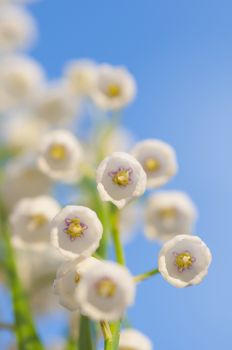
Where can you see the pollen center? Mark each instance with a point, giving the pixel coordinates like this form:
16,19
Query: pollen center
184,261
168,213
74,228
121,177
58,151
36,221
151,164
106,288
113,90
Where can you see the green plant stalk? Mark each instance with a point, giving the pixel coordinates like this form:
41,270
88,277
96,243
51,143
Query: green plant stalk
146,275
25,330
119,252
85,340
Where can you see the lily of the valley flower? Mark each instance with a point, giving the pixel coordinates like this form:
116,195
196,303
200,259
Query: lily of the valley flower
81,77
120,178
158,160
76,230
60,156
55,105
184,260
67,280
20,79
31,217
169,213
115,88
132,339
17,29
105,293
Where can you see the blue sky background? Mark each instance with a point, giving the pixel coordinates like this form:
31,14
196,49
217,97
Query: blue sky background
180,53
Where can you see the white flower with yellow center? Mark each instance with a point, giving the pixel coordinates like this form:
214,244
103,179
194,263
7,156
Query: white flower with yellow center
131,339
120,177
60,156
169,213
115,88
158,160
20,79
81,76
55,104
17,29
67,280
105,293
184,261
22,179
75,231
31,217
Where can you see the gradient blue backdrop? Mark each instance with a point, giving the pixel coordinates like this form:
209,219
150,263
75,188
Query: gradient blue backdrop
181,55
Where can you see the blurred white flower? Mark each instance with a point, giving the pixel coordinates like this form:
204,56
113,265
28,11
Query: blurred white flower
30,220
22,131
17,29
55,104
169,213
22,178
131,339
60,156
115,88
129,220
67,280
105,293
75,231
81,76
120,177
184,260
21,78
158,160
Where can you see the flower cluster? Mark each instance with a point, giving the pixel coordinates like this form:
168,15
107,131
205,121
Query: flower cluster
69,191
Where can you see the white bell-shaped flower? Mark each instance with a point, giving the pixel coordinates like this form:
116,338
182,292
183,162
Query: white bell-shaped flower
31,218
132,339
22,179
169,213
120,177
158,160
21,78
55,105
76,230
115,88
17,29
60,156
105,293
184,261
81,76
67,280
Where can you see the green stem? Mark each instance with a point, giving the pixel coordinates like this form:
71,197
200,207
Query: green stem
25,330
107,335
119,252
146,275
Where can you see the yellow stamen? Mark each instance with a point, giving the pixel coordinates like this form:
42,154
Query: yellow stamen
168,213
122,178
113,90
77,278
75,229
151,164
106,288
58,152
184,261
36,221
